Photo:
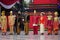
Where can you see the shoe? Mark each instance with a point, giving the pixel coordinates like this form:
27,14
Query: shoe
18,33
42,33
3,33
11,34
56,33
26,34
49,33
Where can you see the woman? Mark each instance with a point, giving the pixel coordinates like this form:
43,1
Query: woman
56,23
11,21
49,23
3,23
42,22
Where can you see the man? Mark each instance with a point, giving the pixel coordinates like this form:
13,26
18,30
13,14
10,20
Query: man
3,23
56,23
18,23
26,25
35,23
15,24
11,21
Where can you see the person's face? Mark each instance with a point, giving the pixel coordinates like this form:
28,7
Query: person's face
34,13
19,13
49,12
44,13
11,14
41,14
25,12
3,13
56,14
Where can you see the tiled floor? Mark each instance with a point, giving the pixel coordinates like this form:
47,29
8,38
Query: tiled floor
29,37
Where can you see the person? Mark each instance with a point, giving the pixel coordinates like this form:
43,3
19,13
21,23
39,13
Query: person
3,23
35,23
0,22
45,17
15,24
18,23
11,21
42,22
56,23
59,21
22,23
50,23
26,25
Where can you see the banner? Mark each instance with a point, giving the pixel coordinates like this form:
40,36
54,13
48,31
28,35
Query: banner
8,3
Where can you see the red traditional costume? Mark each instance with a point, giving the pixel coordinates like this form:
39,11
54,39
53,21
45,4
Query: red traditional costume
42,23
49,24
4,22
45,18
55,23
35,26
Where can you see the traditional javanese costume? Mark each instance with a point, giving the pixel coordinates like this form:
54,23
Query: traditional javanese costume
4,24
35,24
55,25
45,18
26,25
50,24
11,21
26,28
0,23
42,22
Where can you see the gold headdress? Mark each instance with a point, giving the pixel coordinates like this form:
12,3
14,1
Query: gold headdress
56,13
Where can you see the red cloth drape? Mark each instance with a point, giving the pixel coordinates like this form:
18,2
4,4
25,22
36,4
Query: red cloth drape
45,1
8,2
